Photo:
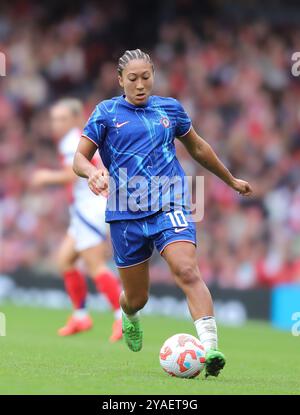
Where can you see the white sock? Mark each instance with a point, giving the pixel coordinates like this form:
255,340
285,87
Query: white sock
118,314
132,317
207,331
80,313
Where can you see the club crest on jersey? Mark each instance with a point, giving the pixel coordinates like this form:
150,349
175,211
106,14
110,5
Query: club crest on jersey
165,122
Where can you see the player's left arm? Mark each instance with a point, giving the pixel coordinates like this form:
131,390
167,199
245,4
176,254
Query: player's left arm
203,153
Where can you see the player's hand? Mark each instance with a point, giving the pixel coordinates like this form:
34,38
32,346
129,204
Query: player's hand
39,178
242,187
98,182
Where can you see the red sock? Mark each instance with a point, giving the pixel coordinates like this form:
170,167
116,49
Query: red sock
108,284
75,285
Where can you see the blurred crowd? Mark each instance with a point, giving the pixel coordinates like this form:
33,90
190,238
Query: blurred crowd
234,81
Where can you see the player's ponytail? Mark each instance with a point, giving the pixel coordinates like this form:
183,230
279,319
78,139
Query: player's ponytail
130,55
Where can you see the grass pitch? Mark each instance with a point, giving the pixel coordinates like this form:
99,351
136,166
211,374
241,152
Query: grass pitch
34,360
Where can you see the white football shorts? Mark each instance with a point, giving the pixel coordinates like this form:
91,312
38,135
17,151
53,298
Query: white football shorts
87,223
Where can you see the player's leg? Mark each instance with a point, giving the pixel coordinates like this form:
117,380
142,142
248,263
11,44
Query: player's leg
75,286
135,280
132,249
182,260
106,282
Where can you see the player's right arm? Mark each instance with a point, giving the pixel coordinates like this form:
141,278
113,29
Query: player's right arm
83,167
46,177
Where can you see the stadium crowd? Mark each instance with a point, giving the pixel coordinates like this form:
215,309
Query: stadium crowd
235,82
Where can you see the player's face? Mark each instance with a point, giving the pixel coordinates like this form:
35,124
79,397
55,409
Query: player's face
137,81
61,120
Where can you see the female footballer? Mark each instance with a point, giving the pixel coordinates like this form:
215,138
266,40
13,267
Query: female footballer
85,238
135,135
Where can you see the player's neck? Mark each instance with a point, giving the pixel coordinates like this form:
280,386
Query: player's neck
144,104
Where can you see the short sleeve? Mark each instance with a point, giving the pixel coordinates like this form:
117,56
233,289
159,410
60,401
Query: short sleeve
95,128
67,155
183,121
67,147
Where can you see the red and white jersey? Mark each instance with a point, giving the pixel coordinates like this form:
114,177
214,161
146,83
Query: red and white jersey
87,210
79,192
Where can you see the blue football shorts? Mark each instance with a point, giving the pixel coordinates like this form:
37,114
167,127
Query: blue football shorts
134,240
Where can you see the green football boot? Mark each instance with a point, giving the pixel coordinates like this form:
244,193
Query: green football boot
133,334
214,362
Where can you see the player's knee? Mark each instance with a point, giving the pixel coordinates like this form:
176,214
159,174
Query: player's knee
187,274
63,265
95,269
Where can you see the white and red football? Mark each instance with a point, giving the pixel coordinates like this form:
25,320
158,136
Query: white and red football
183,356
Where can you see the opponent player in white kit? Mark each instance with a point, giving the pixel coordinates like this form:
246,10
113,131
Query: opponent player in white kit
86,236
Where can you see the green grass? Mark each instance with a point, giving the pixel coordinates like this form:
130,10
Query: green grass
34,360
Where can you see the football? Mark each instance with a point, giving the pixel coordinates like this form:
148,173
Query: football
182,355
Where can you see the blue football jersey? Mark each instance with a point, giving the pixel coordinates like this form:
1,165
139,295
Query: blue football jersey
136,145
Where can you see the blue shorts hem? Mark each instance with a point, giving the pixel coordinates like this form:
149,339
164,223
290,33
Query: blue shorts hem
132,265
169,242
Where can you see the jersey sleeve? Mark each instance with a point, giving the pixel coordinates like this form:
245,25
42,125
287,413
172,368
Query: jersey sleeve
95,128
183,121
67,148
67,158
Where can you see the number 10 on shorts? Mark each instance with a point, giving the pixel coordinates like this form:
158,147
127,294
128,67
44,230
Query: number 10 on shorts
178,219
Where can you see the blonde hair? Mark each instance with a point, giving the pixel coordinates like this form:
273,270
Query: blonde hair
73,104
